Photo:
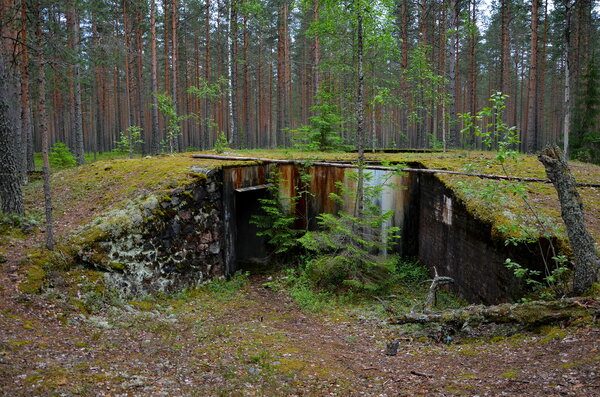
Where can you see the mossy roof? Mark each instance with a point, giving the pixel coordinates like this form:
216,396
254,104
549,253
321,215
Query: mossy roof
104,184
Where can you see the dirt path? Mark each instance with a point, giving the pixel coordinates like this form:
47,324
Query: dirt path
256,341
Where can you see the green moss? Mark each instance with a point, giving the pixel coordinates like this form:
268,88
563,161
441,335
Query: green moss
19,343
34,281
510,374
552,333
498,339
594,290
517,339
119,267
468,352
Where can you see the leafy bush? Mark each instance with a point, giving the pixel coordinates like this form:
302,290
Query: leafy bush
61,157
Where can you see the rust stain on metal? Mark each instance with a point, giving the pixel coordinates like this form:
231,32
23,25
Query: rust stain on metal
323,182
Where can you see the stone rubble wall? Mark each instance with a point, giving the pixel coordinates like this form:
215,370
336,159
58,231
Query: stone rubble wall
162,244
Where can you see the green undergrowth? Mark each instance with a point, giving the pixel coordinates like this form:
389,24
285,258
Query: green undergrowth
406,292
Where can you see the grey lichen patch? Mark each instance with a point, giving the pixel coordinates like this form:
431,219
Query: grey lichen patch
157,244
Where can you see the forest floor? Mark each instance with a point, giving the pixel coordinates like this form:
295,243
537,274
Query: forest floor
242,338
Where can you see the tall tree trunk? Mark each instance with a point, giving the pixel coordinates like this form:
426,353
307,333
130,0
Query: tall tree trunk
542,133
453,66
360,111
587,265
423,21
129,64
97,92
139,63
531,119
166,5
567,60
155,142
505,52
206,123
403,68
233,86
76,114
282,73
472,64
174,67
11,197
26,127
246,93
43,128
316,51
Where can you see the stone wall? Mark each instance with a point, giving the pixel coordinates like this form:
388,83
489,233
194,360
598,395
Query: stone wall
160,244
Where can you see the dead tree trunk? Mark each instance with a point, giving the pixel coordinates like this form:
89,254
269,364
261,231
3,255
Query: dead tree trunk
582,242
529,313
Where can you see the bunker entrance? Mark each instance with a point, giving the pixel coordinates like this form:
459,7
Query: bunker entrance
251,249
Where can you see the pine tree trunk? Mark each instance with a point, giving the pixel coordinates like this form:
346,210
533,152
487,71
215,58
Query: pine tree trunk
11,197
129,80
166,6
472,68
77,127
541,122
98,113
281,73
43,128
360,116
567,78
587,265
403,68
316,52
139,72
531,119
174,68
505,52
233,86
26,127
246,93
155,142
206,132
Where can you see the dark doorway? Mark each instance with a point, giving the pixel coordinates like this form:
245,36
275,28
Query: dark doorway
251,249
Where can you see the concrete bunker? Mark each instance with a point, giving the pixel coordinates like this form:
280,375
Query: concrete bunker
434,225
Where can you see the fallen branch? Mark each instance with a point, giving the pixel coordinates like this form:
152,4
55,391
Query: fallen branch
435,284
379,167
530,313
420,374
